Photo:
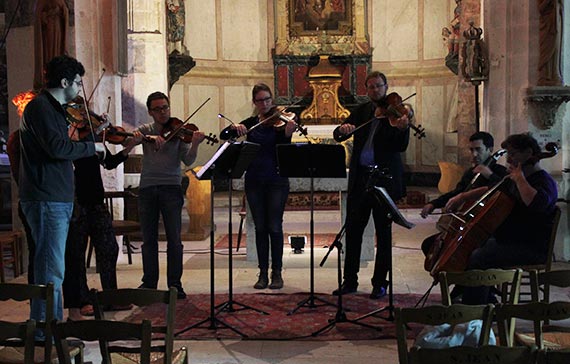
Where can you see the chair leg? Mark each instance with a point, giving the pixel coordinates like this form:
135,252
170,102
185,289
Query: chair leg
127,242
89,255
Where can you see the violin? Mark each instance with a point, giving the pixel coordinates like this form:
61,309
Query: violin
393,109
278,118
184,131
103,130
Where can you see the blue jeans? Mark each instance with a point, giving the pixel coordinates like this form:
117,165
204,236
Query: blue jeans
266,201
49,223
166,200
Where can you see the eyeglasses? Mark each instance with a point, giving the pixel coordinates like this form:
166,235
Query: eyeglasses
160,108
264,100
78,83
377,85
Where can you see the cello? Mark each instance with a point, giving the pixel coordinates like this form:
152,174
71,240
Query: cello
477,224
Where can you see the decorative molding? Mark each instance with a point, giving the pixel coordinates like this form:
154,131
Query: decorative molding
544,103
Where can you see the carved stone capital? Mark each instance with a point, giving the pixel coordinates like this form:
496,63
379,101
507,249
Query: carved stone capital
544,102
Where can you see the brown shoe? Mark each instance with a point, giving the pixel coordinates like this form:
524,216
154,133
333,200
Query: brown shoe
87,310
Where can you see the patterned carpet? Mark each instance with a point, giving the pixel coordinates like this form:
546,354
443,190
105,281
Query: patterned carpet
278,325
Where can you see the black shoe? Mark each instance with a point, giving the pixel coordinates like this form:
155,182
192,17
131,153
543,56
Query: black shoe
145,287
345,288
377,293
262,281
180,293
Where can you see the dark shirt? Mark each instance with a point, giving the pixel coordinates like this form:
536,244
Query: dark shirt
499,172
46,170
88,182
388,143
264,165
530,225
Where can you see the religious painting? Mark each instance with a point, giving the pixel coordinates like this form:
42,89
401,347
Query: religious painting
311,17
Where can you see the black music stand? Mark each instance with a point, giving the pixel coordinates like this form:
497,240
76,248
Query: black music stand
310,161
340,315
394,215
239,156
225,162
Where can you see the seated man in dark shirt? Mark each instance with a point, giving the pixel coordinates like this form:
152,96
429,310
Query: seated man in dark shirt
522,238
484,167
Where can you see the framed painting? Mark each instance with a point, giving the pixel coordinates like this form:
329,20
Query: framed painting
311,17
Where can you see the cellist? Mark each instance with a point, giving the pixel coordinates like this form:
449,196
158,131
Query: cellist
522,238
483,167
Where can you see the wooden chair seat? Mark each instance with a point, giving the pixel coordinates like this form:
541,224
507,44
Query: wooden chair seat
178,357
550,340
16,355
483,354
10,253
123,227
23,334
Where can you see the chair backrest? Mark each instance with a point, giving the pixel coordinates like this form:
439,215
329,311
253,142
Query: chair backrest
554,356
111,195
557,278
23,292
490,278
105,332
483,354
142,297
437,315
19,334
552,241
537,312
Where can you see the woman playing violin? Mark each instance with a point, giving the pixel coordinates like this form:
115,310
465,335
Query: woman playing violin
523,237
265,190
161,192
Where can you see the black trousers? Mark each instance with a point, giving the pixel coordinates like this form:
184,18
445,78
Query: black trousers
89,222
361,201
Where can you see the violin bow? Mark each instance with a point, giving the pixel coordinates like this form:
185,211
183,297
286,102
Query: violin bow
175,131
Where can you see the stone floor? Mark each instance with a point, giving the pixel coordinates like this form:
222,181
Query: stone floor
409,277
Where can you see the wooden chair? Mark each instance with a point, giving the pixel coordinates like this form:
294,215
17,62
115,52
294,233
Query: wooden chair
10,253
107,333
21,333
24,292
537,312
437,315
489,278
483,354
547,266
124,228
557,278
145,297
554,356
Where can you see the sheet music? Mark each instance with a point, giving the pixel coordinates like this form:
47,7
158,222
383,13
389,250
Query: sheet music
397,216
212,160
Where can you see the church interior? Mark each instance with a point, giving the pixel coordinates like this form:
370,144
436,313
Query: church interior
499,66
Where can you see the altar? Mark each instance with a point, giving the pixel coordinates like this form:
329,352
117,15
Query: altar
304,185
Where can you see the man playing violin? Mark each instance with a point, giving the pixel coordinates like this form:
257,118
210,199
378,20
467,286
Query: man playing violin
523,236
160,192
375,161
46,174
91,221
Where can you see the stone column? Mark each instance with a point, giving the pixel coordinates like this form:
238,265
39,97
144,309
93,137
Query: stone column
466,123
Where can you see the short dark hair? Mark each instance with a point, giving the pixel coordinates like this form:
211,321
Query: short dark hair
521,142
61,67
375,74
487,138
156,96
260,87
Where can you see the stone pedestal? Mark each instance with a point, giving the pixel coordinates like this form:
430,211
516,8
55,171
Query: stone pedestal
320,185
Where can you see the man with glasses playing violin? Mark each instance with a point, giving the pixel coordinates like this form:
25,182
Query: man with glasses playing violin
375,160
160,192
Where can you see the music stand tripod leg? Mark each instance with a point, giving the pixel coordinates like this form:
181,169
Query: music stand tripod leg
228,306
340,315
213,322
310,301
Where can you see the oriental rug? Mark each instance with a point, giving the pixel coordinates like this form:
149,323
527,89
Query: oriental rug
278,325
